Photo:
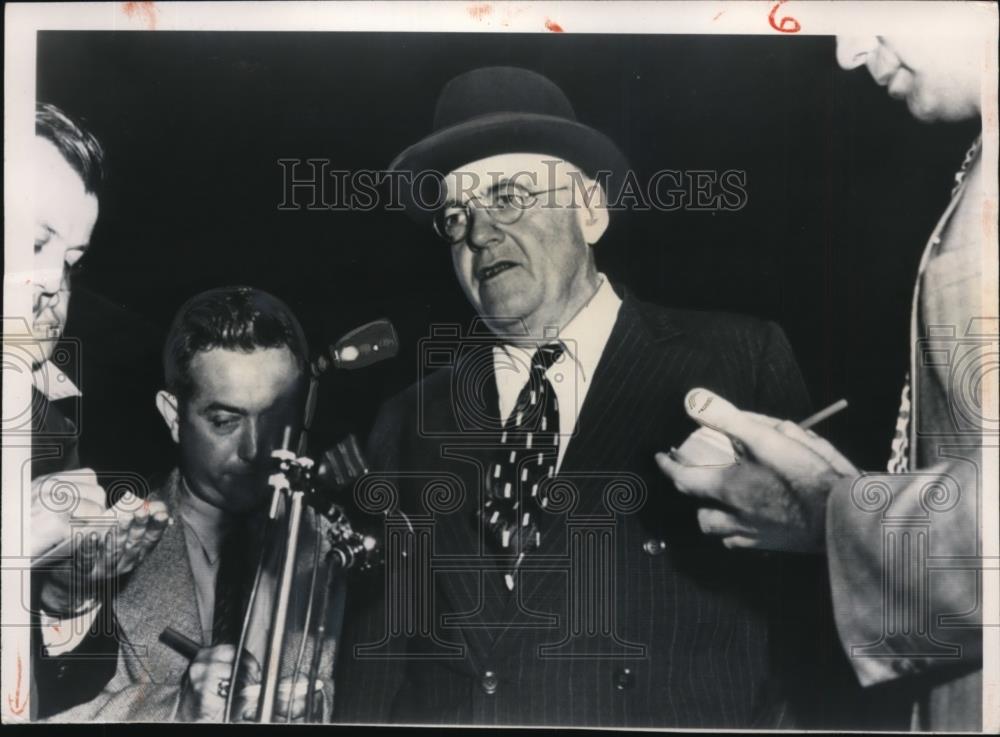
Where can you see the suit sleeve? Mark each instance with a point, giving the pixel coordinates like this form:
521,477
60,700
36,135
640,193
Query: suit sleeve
902,554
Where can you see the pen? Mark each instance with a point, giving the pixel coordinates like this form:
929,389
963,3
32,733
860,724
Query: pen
181,644
823,414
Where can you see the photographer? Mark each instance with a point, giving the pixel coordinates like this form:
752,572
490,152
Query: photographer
72,619
792,490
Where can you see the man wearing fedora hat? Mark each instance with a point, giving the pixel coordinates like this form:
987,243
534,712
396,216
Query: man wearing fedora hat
568,582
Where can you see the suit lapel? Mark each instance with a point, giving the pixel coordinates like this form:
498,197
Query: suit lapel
624,403
475,590
634,380
161,594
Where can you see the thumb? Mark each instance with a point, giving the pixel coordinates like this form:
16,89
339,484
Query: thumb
710,410
765,443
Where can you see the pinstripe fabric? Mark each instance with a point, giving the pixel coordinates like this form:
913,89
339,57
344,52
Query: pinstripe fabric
693,623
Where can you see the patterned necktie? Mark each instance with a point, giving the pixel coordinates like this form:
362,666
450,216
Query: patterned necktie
529,449
229,589
899,456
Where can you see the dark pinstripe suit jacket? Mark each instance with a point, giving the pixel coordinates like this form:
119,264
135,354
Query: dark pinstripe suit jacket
627,615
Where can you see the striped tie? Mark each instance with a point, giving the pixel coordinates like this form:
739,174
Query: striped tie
529,449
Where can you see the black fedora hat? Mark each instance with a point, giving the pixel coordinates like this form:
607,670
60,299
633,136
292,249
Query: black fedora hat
497,110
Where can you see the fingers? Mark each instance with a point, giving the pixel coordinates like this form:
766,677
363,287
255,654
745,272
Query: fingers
209,666
821,447
765,420
720,523
709,409
155,528
698,481
249,698
139,529
297,700
741,541
250,670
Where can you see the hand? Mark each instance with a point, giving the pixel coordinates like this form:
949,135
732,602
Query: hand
101,543
206,684
774,496
56,499
251,695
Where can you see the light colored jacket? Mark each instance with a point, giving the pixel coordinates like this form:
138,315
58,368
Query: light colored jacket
905,550
160,593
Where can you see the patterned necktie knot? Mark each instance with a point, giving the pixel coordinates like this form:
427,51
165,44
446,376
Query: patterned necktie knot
546,356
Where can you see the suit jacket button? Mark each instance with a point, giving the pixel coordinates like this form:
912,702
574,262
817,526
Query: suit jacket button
489,683
624,679
654,546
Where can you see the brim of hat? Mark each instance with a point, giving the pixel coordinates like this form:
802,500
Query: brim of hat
498,133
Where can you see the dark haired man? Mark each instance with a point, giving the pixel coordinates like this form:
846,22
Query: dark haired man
234,362
74,651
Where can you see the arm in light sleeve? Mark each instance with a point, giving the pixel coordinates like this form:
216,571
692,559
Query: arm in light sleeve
903,554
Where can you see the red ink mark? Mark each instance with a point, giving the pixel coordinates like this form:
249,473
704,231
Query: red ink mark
145,505
553,26
147,11
787,24
57,628
478,12
718,15
14,700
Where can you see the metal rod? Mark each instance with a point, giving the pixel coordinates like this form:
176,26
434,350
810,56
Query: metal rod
317,549
332,568
269,530
270,684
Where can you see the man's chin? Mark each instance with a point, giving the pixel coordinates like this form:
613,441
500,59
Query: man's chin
42,349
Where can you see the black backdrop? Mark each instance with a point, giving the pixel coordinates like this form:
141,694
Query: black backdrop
843,189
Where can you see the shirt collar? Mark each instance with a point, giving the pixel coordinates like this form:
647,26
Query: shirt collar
53,383
208,524
584,337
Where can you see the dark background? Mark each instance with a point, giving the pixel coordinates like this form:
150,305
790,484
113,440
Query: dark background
844,187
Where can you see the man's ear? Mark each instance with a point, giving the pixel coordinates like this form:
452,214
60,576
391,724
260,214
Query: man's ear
166,403
592,214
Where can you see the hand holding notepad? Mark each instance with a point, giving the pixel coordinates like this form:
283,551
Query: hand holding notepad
764,481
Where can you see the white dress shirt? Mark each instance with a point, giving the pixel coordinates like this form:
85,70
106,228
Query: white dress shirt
205,527
584,339
53,382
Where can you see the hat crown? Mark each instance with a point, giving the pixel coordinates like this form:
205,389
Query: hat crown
491,90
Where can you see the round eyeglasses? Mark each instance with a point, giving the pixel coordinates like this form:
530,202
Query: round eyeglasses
505,206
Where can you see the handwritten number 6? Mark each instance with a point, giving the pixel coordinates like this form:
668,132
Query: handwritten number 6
787,24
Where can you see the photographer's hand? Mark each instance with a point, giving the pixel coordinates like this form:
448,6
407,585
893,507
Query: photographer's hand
100,543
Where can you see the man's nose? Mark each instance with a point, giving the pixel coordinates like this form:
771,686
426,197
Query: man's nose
853,51
49,280
249,445
483,232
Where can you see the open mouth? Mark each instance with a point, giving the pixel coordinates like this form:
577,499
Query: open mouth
493,270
